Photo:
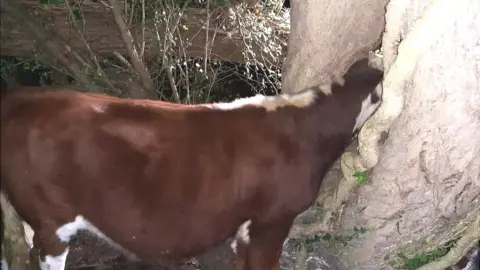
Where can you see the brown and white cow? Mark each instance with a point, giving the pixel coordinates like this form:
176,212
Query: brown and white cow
163,181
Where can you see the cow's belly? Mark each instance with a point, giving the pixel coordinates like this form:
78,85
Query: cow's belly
162,238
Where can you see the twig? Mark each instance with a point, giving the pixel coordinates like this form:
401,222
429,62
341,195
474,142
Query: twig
205,58
184,73
127,37
142,51
176,96
100,71
166,63
123,60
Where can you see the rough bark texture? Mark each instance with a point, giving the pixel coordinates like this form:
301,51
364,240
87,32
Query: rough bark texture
101,33
14,247
427,174
326,37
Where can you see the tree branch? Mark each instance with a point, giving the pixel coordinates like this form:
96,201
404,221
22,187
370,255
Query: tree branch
97,31
128,40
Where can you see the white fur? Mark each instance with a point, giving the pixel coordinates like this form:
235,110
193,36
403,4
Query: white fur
54,262
368,108
70,229
65,233
302,99
100,108
242,235
238,103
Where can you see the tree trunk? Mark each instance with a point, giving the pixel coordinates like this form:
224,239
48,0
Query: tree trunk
15,251
423,143
425,186
326,37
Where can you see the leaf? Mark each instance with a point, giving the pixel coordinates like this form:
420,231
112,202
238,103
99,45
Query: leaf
76,14
360,177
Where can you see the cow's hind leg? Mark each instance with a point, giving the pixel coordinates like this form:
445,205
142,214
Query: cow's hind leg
51,251
261,247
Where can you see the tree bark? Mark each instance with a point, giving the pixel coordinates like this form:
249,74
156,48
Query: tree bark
423,142
15,250
326,37
425,186
99,30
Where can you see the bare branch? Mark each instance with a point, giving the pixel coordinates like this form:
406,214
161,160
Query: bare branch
98,33
127,37
176,95
99,70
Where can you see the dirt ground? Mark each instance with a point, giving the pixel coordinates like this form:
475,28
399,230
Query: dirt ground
90,253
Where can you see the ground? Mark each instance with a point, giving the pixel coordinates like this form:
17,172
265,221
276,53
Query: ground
90,253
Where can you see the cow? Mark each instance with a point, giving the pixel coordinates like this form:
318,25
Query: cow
162,181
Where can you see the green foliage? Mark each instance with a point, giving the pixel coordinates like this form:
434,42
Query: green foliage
360,177
14,66
420,259
76,14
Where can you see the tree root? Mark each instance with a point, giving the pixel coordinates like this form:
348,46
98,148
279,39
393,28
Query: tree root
299,231
14,246
466,242
301,257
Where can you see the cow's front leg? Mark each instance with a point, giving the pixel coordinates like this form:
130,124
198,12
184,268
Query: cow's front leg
258,247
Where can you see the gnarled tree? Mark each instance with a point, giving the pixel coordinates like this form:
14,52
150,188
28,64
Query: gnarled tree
422,147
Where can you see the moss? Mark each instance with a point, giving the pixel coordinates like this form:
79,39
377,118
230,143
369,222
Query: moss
412,262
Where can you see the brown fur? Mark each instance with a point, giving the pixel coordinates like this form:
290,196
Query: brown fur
168,181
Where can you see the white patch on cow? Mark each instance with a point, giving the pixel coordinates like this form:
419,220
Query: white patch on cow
66,231
242,235
100,108
28,233
54,262
368,108
326,89
270,103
